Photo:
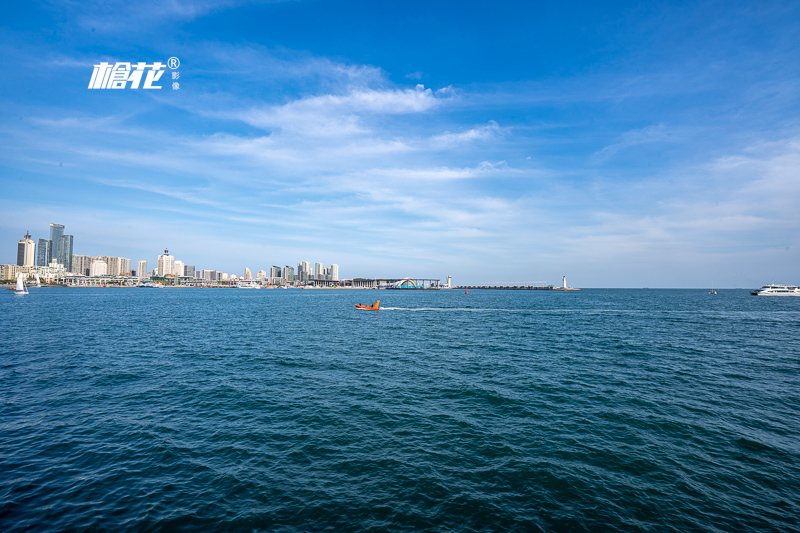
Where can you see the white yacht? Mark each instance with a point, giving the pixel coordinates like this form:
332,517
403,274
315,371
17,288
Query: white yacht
21,289
248,284
777,290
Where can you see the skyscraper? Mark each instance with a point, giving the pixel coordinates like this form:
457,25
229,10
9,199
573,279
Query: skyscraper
141,269
25,251
319,271
56,231
247,274
166,264
334,272
65,251
44,252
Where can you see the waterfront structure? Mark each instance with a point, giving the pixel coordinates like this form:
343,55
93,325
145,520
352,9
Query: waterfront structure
247,274
319,271
64,249
334,272
25,251
166,264
44,252
179,269
141,269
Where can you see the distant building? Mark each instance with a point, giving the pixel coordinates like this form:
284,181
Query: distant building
262,274
166,264
98,268
303,271
81,264
319,271
188,270
64,249
288,273
179,269
247,274
124,266
275,272
25,251
44,252
141,269
334,272
56,232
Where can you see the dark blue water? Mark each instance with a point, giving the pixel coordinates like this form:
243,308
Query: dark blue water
288,410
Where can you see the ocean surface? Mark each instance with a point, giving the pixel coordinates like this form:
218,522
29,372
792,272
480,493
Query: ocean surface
288,410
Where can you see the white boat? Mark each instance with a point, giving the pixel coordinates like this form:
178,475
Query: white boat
777,290
248,284
21,289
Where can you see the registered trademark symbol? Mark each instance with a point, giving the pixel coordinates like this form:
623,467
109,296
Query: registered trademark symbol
173,62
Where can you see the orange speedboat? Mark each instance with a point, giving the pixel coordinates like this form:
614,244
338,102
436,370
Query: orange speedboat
374,307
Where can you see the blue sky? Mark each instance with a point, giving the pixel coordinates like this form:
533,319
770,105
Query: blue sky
621,144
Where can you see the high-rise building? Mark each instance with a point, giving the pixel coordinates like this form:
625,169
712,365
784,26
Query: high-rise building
188,270
64,248
334,272
247,274
262,274
124,266
44,252
179,268
166,264
275,272
288,273
304,271
81,264
56,231
98,268
141,269
319,271
26,249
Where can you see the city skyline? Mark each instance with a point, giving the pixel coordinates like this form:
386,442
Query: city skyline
622,145
42,253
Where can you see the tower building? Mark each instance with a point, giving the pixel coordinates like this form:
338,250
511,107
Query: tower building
25,251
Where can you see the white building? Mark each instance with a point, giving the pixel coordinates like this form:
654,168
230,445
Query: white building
334,272
319,271
98,268
262,274
26,249
180,268
247,274
141,269
166,264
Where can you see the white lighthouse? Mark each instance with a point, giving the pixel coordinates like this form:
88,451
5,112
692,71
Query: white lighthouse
564,280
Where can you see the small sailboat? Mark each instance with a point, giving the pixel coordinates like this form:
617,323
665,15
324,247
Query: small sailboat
712,291
21,289
374,307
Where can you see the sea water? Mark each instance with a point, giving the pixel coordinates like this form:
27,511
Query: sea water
290,410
